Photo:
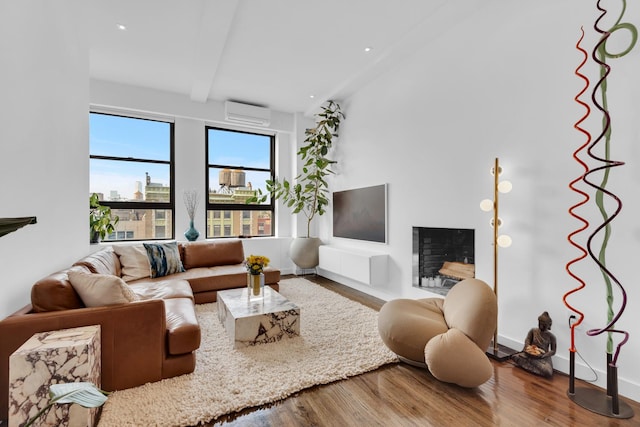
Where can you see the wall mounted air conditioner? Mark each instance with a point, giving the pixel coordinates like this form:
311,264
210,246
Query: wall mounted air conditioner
246,114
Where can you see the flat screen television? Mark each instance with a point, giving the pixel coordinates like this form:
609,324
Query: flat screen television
361,213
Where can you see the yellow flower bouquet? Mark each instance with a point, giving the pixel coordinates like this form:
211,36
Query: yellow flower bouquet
255,264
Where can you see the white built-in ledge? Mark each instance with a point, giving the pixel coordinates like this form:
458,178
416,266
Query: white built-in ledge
363,266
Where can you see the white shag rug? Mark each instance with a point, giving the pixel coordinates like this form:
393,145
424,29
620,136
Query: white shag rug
339,338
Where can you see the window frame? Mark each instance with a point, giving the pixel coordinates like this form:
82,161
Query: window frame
236,206
133,205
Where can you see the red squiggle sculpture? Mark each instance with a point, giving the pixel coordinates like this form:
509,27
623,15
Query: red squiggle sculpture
585,199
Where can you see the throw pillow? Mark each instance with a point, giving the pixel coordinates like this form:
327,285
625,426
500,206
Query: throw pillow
97,290
164,258
134,261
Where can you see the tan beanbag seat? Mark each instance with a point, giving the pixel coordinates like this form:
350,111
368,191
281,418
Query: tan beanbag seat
449,335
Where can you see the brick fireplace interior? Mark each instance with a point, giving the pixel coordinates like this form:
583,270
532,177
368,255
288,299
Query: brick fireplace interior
435,248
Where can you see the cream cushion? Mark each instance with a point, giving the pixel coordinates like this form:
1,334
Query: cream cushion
471,307
134,261
406,325
454,358
98,290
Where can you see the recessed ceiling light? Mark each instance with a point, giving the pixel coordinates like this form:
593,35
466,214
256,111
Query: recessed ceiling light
312,96
368,49
121,27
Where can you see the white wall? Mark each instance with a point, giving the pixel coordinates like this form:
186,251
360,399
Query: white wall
43,141
502,85
190,173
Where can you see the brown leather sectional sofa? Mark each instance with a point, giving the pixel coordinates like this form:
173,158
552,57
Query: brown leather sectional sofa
142,341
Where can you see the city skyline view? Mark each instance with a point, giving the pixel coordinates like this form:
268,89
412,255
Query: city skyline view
115,136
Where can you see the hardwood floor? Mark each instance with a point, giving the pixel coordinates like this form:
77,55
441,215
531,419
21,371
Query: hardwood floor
404,395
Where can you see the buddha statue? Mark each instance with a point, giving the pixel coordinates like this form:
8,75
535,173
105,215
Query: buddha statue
539,346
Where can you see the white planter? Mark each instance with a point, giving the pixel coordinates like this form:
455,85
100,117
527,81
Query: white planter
304,251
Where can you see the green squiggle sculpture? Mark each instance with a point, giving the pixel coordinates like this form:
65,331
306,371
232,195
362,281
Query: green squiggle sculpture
602,55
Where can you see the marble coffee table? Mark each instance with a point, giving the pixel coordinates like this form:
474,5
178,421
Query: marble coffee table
250,322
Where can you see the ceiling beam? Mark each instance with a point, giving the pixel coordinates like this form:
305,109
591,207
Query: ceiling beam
215,23
445,17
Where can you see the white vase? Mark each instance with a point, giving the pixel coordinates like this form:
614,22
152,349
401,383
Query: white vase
304,251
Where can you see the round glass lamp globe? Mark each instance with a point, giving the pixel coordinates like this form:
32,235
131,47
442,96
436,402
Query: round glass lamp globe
486,205
504,186
504,241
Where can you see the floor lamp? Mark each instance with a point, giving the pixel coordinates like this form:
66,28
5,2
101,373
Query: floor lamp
497,351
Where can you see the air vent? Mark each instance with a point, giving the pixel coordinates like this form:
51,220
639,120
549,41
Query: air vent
246,114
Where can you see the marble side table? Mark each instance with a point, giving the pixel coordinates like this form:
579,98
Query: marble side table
64,356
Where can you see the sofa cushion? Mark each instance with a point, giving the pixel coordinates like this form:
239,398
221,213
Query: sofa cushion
104,261
212,253
55,292
134,261
161,288
164,258
97,290
183,330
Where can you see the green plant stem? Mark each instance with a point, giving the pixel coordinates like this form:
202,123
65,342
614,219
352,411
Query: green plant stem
49,405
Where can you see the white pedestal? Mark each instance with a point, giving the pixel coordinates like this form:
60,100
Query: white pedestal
64,356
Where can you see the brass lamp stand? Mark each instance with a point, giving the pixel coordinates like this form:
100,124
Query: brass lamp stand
496,350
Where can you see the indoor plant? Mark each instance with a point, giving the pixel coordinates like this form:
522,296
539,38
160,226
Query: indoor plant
101,222
309,193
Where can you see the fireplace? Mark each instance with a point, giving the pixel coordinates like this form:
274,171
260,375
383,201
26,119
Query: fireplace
442,257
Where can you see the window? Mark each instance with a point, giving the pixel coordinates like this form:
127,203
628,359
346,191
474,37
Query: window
131,170
238,163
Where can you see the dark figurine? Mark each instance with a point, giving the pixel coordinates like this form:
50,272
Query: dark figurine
539,346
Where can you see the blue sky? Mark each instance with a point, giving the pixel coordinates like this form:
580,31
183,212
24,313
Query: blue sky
147,139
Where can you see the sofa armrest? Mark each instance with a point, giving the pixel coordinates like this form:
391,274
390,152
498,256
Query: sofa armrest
132,337
453,357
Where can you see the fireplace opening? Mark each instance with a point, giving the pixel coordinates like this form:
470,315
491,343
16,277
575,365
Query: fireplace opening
442,257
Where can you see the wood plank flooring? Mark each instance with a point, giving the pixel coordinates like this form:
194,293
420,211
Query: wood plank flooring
403,395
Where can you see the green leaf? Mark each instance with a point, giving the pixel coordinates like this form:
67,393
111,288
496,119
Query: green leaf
83,393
